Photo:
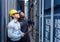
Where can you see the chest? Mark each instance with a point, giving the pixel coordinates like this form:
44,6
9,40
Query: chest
16,26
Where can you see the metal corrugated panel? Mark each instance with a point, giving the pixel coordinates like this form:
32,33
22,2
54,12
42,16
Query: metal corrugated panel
6,5
0,21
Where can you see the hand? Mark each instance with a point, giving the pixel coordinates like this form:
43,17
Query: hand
29,28
22,35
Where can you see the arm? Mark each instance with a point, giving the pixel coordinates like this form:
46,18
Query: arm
11,33
30,24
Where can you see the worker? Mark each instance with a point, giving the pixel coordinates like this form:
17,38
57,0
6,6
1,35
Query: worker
24,27
14,28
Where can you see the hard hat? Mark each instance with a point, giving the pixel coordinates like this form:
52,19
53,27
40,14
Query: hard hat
19,11
13,11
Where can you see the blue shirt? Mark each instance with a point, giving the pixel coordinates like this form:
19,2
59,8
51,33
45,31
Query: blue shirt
14,30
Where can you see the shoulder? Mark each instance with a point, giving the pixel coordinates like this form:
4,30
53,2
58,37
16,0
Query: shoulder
25,19
10,23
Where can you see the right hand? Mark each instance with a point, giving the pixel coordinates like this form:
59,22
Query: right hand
22,35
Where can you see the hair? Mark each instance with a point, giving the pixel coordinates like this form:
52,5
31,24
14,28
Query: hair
12,16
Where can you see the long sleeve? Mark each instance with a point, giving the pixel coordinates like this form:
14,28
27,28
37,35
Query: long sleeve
11,33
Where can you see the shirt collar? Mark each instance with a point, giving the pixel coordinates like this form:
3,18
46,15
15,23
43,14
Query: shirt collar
15,20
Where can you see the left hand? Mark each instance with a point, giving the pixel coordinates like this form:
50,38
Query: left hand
22,35
29,29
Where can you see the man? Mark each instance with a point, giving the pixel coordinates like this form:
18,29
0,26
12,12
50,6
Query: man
14,28
24,27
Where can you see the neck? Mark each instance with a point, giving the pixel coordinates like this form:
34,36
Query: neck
15,19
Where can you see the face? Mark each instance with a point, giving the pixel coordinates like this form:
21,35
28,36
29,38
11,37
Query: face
22,15
16,16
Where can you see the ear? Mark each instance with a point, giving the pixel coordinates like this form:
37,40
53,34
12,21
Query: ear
13,15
